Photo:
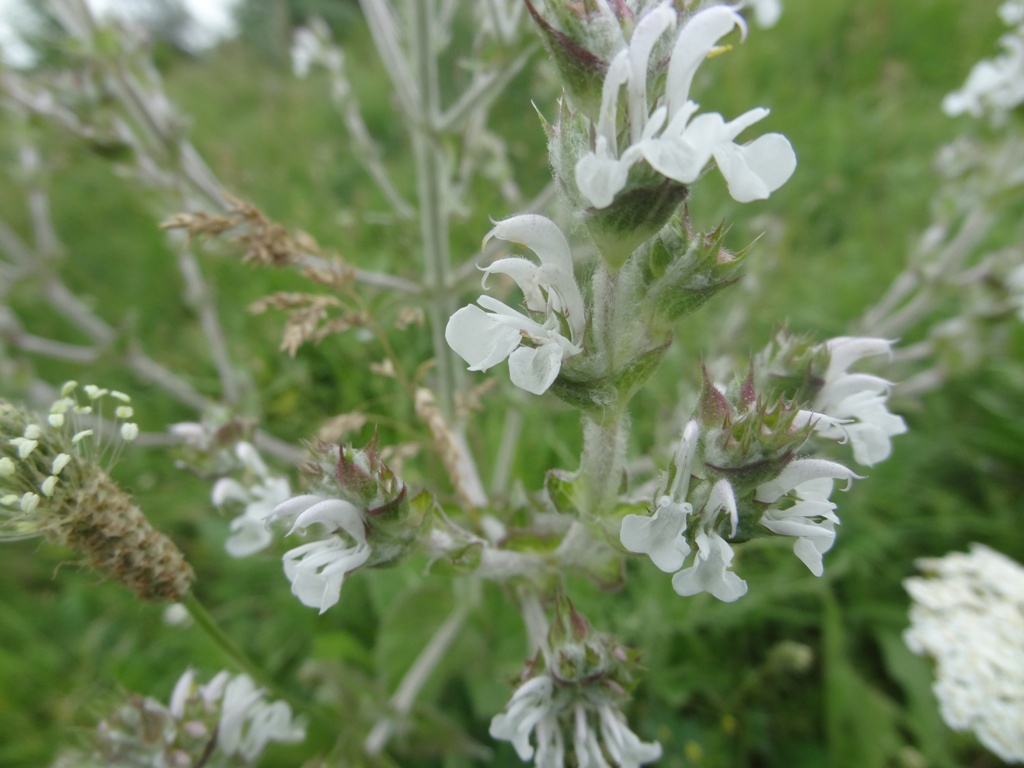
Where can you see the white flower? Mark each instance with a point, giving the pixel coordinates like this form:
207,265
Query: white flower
249,532
484,339
994,85
661,537
623,746
805,485
666,138
318,569
855,403
531,709
970,619
248,723
710,570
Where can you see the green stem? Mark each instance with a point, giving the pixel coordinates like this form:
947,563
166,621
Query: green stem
604,458
432,193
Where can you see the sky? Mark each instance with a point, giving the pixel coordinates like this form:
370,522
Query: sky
212,16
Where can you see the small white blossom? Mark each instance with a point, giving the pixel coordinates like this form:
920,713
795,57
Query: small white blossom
318,569
485,338
804,487
249,532
7,467
248,723
661,536
129,431
969,617
710,570
666,138
531,709
854,404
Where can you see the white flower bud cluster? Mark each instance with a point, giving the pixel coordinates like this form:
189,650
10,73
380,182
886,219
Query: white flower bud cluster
969,617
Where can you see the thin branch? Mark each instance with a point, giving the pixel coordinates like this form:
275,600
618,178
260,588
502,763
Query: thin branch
414,680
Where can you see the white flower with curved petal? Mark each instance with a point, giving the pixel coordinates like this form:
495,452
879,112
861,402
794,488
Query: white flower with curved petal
318,569
550,287
248,722
710,570
530,710
485,338
806,485
673,145
249,529
855,403
623,746
660,536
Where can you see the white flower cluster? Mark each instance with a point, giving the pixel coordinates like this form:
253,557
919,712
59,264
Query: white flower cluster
995,86
535,350
666,137
537,710
227,720
969,617
261,495
797,504
247,722
852,406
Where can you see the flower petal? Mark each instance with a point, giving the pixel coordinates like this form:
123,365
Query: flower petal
478,339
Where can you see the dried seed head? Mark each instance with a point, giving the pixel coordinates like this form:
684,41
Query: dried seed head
54,483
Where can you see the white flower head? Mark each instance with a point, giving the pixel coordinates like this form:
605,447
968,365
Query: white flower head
485,338
249,532
666,138
318,569
854,404
969,617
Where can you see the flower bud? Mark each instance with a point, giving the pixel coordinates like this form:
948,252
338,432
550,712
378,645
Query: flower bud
582,37
684,269
746,438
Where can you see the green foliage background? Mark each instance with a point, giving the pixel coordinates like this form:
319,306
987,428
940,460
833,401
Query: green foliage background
856,86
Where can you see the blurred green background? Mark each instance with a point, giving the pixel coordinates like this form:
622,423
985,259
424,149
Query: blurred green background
856,86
